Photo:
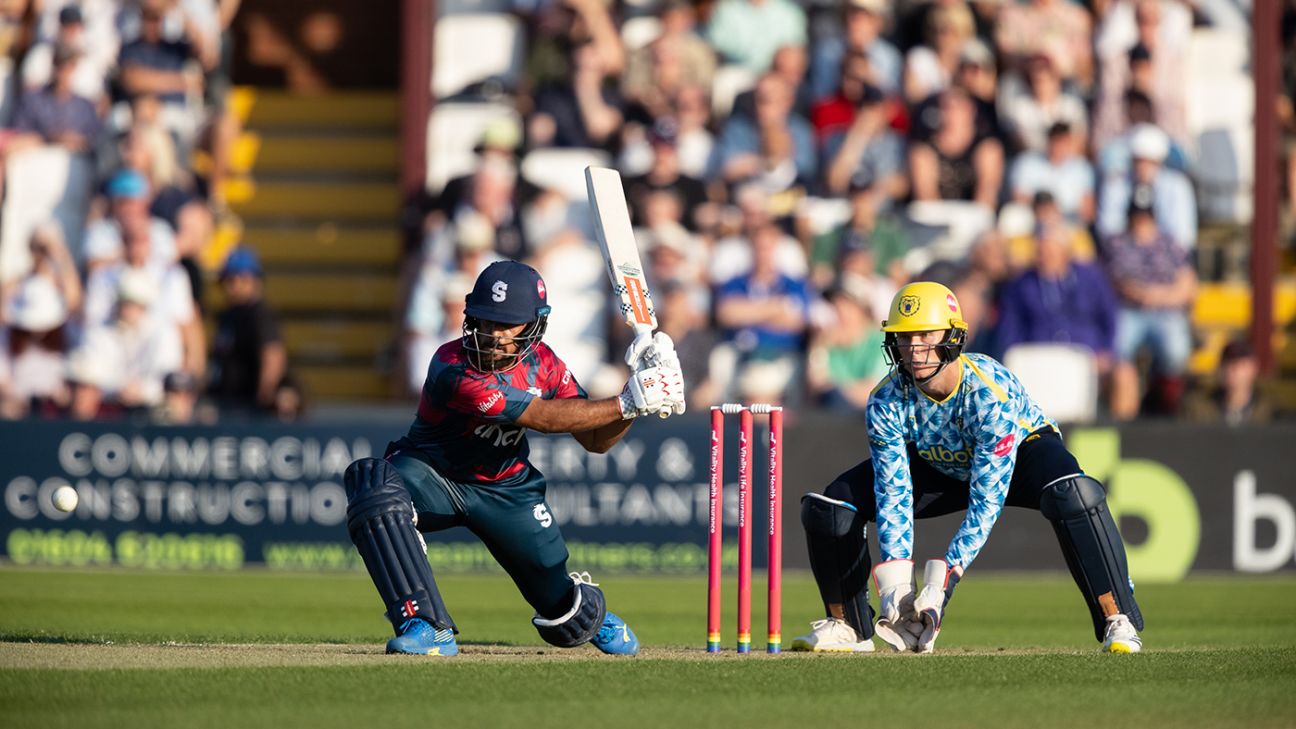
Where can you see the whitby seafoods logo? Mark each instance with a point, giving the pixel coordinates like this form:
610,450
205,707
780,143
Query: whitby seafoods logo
909,305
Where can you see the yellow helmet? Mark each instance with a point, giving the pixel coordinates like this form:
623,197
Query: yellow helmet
925,306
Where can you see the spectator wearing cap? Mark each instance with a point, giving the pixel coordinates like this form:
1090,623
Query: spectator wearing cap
172,306
1234,398
862,33
748,32
1027,111
845,360
863,150
737,154
130,197
1028,26
498,145
87,35
930,67
122,365
665,175
150,150
1173,198
249,360
56,114
872,229
956,162
1062,171
1114,157
1155,283
36,311
1059,299
978,75
675,59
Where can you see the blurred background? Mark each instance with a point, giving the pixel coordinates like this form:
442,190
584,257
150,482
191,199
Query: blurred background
256,220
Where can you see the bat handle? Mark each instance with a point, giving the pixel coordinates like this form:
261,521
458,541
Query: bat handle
664,413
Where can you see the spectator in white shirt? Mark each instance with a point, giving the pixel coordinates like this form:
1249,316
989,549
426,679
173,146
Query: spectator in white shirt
124,364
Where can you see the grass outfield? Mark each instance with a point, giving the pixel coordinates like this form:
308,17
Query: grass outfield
118,648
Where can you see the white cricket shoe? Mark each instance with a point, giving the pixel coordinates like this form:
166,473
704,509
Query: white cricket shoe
1121,637
831,635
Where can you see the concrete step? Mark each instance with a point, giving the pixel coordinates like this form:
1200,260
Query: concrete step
262,109
344,382
326,244
336,338
317,152
338,294
337,201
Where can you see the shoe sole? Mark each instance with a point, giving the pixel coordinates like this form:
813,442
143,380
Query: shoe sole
1121,648
430,652
804,647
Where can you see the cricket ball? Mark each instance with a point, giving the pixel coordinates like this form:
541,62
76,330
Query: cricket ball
65,498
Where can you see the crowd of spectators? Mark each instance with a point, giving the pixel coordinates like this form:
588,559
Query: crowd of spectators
1034,155
112,133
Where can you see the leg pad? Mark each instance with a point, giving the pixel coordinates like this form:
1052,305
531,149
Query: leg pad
839,558
1095,554
380,518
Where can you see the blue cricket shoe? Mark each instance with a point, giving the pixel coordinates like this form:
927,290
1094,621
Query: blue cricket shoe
419,638
615,637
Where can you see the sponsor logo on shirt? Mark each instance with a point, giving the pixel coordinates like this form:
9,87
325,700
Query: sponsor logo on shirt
490,402
941,454
1005,445
499,435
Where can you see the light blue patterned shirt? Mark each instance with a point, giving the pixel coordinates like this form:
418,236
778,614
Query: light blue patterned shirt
972,436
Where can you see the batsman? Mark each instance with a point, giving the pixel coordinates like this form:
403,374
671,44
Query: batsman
464,463
951,432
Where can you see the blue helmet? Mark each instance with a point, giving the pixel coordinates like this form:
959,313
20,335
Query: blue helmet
507,292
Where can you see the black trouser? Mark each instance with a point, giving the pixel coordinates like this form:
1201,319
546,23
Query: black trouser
1041,459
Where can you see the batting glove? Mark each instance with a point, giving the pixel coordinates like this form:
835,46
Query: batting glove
645,392
894,582
640,353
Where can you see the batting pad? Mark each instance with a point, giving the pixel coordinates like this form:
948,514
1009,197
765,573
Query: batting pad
380,518
581,623
1095,554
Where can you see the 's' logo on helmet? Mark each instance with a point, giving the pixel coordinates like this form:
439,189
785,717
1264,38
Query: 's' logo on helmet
540,289
951,302
909,305
499,291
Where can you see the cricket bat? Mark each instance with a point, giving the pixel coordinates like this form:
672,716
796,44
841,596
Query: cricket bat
620,252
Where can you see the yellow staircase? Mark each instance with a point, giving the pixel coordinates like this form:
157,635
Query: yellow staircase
314,188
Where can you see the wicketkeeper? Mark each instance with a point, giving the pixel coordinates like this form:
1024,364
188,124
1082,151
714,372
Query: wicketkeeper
951,432
464,463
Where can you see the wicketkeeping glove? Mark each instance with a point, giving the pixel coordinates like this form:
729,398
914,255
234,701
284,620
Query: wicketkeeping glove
894,582
938,585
